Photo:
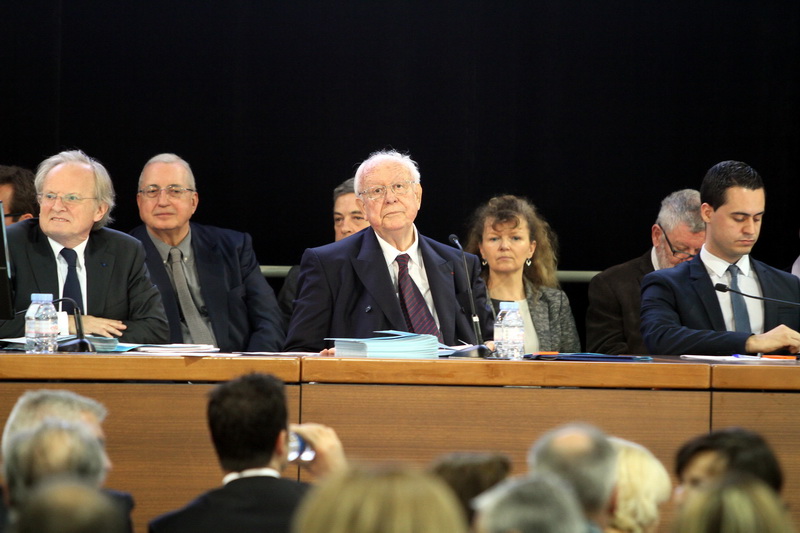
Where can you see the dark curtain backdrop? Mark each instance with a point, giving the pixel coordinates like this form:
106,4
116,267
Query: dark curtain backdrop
594,110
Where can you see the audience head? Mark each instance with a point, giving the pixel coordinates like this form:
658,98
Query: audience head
737,504
348,218
642,485
18,194
167,196
70,506
54,448
733,205
509,226
87,184
470,474
709,456
679,231
387,500
539,503
389,193
582,456
248,420
34,406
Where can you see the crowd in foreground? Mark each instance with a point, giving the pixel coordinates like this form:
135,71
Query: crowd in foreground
578,480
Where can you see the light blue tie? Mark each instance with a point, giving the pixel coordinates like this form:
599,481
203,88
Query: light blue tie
741,319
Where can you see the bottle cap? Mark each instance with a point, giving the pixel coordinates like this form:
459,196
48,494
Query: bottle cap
41,297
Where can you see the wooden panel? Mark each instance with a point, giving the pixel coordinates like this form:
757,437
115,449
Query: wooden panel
157,439
764,376
482,372
143,367
773,415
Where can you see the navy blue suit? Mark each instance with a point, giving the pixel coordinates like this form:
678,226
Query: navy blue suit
345,290
681,312
241,305
117,283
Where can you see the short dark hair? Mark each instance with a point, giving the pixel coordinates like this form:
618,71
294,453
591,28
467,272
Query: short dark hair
245,416
23,201
345,187
742,449
723,176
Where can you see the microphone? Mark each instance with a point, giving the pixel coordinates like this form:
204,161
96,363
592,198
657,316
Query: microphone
721,287
482,351
80,343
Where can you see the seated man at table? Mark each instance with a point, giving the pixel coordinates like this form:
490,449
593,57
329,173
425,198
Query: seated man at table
612,318
387,276
247,417
681,311
68,252
209,277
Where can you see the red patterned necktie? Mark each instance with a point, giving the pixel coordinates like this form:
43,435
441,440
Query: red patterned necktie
418,317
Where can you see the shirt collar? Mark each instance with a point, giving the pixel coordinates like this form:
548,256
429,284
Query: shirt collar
250,472
719,266
185,246
390,253
80,249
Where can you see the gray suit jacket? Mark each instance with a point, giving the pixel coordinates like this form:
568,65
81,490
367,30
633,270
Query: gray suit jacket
118,284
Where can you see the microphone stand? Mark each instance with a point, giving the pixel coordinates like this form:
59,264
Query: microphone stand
80,343
481,350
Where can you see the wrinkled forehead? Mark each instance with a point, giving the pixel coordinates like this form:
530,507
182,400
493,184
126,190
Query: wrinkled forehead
385,173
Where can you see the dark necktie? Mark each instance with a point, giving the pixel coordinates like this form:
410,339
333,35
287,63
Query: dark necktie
418,317
72,287
197,328
741,319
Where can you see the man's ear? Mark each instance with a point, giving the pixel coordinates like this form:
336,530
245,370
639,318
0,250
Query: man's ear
282,444
705,211
26,216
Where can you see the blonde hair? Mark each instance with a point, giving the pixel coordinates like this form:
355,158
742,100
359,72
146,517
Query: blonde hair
739,504
642,485
385,500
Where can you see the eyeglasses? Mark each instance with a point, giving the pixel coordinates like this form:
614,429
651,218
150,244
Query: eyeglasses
401,188
66,199
173,191
677,253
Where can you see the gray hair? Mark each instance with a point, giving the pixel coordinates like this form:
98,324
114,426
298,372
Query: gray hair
54,448
588,469
384,156
103,187
35,406
345,187
170,158
681,207
539,503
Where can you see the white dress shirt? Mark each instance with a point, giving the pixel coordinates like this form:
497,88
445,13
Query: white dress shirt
748,283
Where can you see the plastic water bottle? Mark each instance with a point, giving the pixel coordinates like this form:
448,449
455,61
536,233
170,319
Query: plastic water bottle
41,325
514,330
499,330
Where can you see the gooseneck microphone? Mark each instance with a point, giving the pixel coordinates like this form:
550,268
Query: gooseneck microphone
721,287
80,343
476,324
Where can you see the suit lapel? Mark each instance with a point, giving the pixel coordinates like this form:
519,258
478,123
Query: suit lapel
701,284
370,267
209,264
99,266
768,290
43,264
441,280
160,277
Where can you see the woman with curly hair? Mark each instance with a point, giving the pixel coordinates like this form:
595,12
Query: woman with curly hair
518,252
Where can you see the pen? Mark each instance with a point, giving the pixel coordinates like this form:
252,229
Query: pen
790,357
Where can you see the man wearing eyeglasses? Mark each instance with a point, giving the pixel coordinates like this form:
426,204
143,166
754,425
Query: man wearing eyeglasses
387,276
612,318
682,313
69,252
209,277
18,194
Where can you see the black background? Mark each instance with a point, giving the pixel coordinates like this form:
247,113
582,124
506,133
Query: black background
594,110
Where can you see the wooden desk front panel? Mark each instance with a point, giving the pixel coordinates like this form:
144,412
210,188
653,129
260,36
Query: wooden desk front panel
773,415
157,439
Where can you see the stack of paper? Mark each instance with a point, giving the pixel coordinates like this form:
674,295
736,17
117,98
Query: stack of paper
402,345
101,344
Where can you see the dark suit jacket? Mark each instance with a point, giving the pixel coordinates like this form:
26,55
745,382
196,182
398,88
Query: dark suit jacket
241,304
681,312
612,318
118,285
245,505
288,292
345,290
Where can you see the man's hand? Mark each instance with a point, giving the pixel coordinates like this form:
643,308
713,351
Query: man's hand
103,327
776,339
329,452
